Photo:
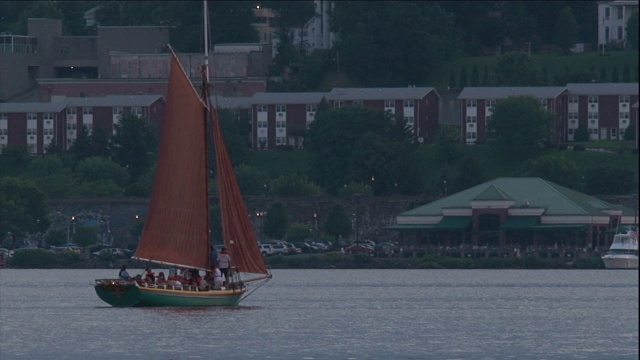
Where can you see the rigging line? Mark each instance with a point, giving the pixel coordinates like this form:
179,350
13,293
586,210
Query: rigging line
246,295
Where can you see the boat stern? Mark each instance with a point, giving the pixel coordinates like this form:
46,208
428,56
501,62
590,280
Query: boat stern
118,293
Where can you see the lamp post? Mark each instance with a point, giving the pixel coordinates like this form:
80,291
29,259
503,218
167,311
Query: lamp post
261,215
357,195
315,226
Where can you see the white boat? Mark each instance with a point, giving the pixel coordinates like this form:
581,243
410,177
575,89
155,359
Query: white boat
623,253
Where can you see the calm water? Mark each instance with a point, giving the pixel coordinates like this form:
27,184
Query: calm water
335,314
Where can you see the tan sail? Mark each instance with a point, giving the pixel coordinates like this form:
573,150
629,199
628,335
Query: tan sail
176,229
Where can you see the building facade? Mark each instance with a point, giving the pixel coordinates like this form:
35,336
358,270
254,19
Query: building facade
37,125
530,215
612,22
604,109
280,119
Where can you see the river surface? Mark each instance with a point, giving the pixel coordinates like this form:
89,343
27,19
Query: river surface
334,314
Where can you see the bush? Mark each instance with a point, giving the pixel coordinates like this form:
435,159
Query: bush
33,258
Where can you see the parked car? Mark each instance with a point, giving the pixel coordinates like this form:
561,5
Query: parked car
305,248
280,249
266,249
293,249
359,249
115,252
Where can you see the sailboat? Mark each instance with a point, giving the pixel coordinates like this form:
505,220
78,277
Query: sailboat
177,227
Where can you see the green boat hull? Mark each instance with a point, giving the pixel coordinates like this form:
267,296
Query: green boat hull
120,293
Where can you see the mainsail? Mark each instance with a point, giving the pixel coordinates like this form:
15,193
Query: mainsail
176,229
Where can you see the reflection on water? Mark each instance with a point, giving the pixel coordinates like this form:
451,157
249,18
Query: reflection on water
335,314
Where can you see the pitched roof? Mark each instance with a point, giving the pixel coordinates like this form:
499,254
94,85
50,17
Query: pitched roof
112,100
31,107
539,193
492,193
603,88
231,102
539,92
288,98
403,93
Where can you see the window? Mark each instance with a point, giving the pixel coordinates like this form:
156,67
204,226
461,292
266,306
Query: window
47,116
593,100
408,103
619,32
281,124
262,124
4,116
136,111
409,120
543,103
338,104
357,102
281,108
624,115
389,104
4,131
471,136
71,111
487,118
117,111
262,108
312,108
624,99
87,111
71,126
471,103
573,99
472,119
32,131
573,116
607,13
593,116
47,131
32,116
490,104
620,13
281,140
571,131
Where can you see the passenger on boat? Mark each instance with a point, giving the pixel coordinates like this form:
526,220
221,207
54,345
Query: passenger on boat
202,283
174,280
224,260
213,256
149,276
161,279
124,274
216,281
185,276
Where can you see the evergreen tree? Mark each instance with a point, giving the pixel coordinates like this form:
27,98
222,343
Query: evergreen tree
603,75
338,222
545,76
452,79
566,30
275,225
626,74
485,76
614,76
464,82
475,77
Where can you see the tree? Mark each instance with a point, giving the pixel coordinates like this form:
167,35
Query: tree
446,143
516,69
464,82
607,179
251,179
566,30
630,133
581,134
81,147
557,169
275,225
519,126
22,207
85,236
134,140
52,176
55,238
475,76
632,31
614,75
452,80
98,168
367,44
299,232
338,223
470,174
294,185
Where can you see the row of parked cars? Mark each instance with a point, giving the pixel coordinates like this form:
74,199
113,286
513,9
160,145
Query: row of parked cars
287,248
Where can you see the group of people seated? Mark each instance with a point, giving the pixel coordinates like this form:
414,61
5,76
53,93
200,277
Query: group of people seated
211,280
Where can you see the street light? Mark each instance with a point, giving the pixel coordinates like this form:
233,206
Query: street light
261,215
315,220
